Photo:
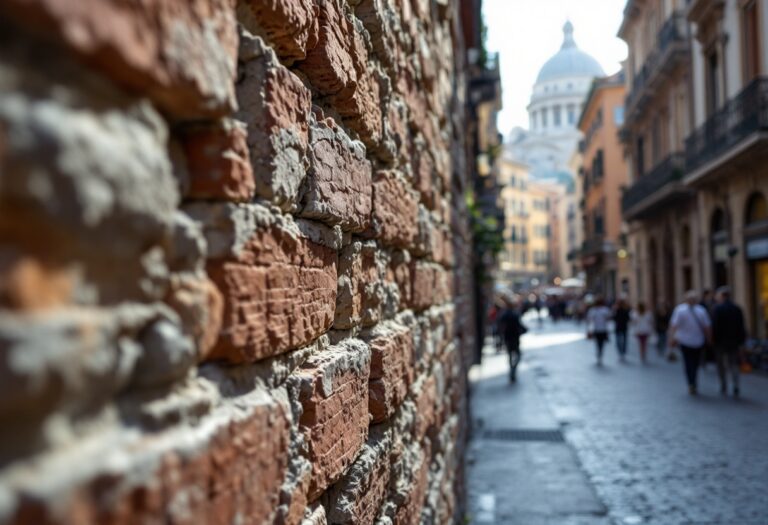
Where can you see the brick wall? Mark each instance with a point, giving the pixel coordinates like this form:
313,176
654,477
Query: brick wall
234,266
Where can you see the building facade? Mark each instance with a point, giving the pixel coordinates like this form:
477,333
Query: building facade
534,228
602,175
696,136
556,102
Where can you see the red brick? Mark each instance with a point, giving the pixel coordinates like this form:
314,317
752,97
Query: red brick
426,399
200,306
395,210
139,46
391,370
338,185
237,472
409,513
430,285
279,294
338,67
218,162
358,300
290,26
334,397
275,106
358,497
399,272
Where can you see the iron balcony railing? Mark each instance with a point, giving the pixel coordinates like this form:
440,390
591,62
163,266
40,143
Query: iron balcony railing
672,32
740,117
668,171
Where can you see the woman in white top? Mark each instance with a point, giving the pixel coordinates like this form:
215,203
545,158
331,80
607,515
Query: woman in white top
597,326
642,322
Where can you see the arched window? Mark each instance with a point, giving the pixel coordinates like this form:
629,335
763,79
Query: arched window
757,209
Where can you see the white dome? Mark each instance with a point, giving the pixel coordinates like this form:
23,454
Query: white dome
569,62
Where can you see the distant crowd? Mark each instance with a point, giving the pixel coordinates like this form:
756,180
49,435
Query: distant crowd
704,327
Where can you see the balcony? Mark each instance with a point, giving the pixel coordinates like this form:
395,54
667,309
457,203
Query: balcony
672,49
594,246
733,137
661,186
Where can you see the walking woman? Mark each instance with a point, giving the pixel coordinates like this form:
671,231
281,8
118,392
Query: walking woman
662,318
642,322
597,326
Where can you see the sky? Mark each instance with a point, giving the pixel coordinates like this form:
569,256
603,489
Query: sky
527,33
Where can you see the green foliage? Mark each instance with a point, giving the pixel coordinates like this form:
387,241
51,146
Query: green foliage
487,236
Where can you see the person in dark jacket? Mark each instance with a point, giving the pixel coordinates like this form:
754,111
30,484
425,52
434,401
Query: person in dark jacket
661,324
621,318
511,328
728,335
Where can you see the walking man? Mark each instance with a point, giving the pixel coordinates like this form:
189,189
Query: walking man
511,329
691,330
598,317
728,333
621,317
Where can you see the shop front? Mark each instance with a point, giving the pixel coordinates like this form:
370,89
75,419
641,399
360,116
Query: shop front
756,252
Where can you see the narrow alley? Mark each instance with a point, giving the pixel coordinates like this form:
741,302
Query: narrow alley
574,444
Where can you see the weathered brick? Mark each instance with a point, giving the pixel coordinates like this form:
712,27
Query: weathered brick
218,162
338,67
337,189
290,26
333,387
425,389
199,305
236,471
395,210
357,498
391,369
412,488
430,285
399,272
359,296
275,106
180,53
278,282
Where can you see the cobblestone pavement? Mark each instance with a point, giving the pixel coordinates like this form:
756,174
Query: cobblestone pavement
646,450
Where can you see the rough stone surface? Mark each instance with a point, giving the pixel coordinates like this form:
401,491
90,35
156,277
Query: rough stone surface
338,186
235,261
333,390
180,53
395,210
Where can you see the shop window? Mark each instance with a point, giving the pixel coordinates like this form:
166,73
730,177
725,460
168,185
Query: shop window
757,209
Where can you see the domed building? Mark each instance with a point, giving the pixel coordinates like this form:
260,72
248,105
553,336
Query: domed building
561,88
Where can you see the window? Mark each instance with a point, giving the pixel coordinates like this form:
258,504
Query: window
757,209
571,114
598,166
544,118
558,116
640,156
751,40
599,228
618,115
713,81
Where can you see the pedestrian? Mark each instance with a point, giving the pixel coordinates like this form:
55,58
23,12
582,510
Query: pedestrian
537,304
493,315
707,301
690,328
512,328
621,318
661,325
642,322
598,317
729,333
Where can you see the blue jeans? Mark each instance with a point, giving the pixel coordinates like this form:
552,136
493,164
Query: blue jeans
621,342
